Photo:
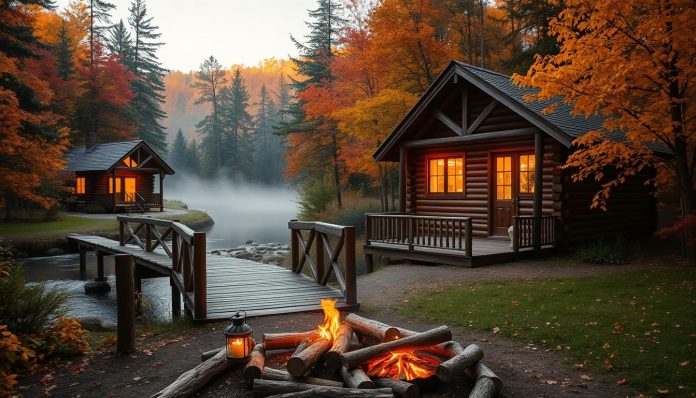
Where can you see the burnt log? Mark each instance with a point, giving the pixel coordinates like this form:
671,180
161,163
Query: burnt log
311,338
257,360
265,388
484,388
400,388
455,366
370,327
300,363
420,340
281,375
192,380
357,378
481,371
278,341
340,345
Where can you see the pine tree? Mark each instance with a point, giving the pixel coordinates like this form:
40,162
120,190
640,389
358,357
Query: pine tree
313,63
210,79
149,84
63,53
238,123
120,42
193,158
177,156
99,21
269,156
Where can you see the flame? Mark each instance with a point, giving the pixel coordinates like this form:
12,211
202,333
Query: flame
332,320
403,365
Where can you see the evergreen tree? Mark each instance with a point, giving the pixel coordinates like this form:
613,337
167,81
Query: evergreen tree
313,63
177,156
63,53
121,43
193,158
149,83
99,21
238,123
210,79
269,159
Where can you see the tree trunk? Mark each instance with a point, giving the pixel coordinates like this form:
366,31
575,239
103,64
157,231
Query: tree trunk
336,171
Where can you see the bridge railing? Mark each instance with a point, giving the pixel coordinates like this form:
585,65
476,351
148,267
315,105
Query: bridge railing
306,235
187,250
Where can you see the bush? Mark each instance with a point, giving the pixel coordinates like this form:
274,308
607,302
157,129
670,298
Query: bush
605,252
355,216
313,199
95,208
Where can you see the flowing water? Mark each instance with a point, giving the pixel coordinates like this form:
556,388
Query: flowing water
241,213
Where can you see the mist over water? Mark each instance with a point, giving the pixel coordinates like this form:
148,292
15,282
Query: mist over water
242,211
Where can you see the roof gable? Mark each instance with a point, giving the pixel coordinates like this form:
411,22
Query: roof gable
105,157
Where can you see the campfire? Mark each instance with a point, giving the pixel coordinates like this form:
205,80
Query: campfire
354,357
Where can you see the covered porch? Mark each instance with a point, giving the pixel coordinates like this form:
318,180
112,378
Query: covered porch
450,240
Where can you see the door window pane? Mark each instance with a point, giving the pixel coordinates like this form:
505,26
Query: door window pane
503,177
527,165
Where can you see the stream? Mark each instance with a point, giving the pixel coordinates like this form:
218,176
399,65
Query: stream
241,213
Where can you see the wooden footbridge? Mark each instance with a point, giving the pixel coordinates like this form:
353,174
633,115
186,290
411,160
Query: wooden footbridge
214,287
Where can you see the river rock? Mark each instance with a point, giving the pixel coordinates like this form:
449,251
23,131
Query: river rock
94,324
97,287
55,251
269,253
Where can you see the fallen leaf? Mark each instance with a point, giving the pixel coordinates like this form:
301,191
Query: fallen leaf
551,382
621,382
496,330
663,392
586,377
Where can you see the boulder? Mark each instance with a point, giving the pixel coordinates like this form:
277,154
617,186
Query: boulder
97,287
55,251
94,324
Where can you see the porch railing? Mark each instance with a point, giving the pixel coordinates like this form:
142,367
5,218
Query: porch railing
523,231
186,249
305,234
453,233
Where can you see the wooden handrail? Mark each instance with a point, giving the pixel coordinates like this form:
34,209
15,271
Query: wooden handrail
326,260
411,231
523,231
187,249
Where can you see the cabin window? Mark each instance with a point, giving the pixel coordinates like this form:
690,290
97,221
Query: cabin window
80,185
130,162
111,185
503,177
527,164
446,175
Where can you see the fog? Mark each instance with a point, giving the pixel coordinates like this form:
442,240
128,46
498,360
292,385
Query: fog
242,211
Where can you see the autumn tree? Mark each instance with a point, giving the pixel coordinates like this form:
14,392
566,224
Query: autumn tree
148,85
32,145
632,62
99,22
210,79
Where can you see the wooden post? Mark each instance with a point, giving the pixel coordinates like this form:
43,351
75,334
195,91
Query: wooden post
199,276
351,293
148,237
125,304
319,251
175,251
138,287
83,262
515,234
121,233
538,189
100,266
402,179
161,191
469,237
176,299
113,189
294,248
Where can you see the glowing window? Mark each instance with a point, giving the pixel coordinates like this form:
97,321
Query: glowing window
446,175
130,162
118,185
527,164
80,185
503,177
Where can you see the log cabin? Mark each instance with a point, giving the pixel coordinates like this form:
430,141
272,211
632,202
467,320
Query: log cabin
116,176
481,180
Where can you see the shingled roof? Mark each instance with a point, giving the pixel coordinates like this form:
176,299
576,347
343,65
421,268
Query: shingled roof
104,157
560,123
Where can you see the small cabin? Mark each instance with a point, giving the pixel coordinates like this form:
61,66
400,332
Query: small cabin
481,178
116,176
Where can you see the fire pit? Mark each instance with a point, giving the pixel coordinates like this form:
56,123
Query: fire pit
372,358
356,357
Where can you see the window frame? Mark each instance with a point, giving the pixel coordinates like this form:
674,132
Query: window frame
77,185
445,156
109,188
519,174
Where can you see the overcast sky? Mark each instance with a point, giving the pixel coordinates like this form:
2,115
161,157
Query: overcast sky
234,31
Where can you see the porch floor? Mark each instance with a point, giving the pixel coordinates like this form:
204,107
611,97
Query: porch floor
485,251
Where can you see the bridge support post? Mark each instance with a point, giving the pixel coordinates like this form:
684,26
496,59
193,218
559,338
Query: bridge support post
138,287
100,266
125,304
351,294
83,262
200,294
176,299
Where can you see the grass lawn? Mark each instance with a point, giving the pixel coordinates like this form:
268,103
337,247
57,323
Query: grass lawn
20,230
639,327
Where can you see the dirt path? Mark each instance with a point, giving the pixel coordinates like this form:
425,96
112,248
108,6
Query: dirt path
526,370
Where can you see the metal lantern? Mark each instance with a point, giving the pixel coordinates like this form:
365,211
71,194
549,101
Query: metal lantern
238,338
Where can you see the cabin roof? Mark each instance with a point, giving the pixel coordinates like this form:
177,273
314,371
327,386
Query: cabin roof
105,157
560,124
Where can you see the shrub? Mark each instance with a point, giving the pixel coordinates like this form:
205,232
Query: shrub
605,252
94,208
355,216
313,199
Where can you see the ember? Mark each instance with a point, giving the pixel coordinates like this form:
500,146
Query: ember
403,366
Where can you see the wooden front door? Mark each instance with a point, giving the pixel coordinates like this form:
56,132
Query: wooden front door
503,193
129,189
